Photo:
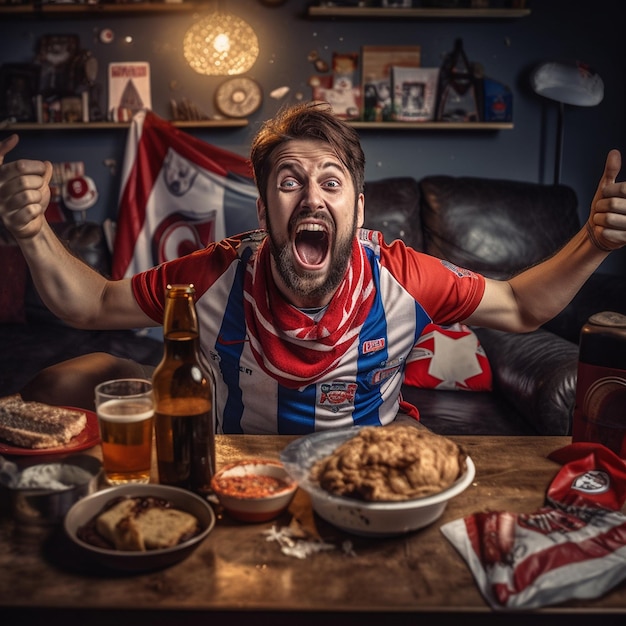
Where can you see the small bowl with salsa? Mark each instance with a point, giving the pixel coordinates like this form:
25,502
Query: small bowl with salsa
254,490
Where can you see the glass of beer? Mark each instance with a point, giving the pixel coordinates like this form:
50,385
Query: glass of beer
125,409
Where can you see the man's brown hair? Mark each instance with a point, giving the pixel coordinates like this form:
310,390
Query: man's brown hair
313,120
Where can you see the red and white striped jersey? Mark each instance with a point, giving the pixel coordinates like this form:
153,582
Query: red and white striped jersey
412,289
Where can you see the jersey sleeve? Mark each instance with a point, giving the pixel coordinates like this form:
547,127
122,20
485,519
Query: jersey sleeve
201,269
447,293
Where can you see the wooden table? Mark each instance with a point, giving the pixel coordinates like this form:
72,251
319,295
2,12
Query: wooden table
238,575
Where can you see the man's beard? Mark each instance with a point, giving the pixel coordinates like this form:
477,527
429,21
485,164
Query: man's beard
306,285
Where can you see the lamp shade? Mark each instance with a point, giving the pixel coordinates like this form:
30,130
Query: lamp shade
221,44
568,82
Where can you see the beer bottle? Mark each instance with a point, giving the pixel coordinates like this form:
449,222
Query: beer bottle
184,403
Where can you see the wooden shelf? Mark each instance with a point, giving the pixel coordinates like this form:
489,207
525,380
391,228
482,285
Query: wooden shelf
30,126
418,14
432,125
240,123
91,10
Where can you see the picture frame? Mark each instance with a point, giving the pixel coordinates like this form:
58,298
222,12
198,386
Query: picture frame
376,64
414,93
129,87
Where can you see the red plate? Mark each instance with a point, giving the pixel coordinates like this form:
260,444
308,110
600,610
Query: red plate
89,437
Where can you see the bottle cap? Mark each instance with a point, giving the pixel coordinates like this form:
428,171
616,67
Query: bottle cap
608,318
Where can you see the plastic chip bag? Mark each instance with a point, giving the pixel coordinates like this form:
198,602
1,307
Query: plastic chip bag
573,547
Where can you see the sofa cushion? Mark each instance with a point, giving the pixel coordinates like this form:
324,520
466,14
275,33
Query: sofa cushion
392,207
448,358
452,413
495,227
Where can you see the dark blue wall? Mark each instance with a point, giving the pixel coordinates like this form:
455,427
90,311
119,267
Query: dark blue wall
508,49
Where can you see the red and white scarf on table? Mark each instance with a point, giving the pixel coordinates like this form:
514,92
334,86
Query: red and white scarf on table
290,346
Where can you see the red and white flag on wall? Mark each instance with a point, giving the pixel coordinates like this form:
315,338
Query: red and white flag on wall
178,194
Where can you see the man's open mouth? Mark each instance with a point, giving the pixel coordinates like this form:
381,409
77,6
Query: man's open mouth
311,244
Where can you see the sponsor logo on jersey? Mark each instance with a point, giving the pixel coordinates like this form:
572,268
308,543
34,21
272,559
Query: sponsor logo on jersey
459,271
373,345
387,370
230,342
336,395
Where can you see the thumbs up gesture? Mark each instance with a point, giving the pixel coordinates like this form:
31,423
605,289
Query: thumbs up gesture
606,226
24,192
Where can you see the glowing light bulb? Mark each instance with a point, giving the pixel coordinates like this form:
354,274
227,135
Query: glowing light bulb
220,44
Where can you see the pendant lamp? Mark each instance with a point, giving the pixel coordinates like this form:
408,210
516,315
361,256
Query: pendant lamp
220,44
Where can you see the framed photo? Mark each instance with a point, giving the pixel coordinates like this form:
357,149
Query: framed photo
414,93
19,85
377,62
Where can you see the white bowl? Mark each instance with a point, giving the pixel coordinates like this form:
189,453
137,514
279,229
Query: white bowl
84,510
248,507
372,519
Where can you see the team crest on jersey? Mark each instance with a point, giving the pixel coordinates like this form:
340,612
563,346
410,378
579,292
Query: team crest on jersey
335,396
373,345
459,271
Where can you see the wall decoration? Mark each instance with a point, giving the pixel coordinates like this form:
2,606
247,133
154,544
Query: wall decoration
414,93
129,89
459,89
179,193
238,97
340,89
377,62
58,56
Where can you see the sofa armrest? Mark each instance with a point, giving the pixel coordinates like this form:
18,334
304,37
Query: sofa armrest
537,373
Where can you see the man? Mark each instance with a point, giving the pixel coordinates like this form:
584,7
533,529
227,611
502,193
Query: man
306,323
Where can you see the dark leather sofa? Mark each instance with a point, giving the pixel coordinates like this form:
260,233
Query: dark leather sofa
498,227
494,226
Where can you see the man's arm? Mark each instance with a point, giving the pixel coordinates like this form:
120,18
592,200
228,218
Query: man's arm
70,288
536,295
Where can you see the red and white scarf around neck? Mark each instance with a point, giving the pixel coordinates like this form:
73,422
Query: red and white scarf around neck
290,346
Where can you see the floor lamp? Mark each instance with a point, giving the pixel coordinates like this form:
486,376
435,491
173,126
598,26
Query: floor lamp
566,82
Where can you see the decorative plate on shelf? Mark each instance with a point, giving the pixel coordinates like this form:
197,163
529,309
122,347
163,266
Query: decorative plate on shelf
88,438
238,97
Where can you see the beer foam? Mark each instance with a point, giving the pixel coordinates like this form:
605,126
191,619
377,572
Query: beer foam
125,411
